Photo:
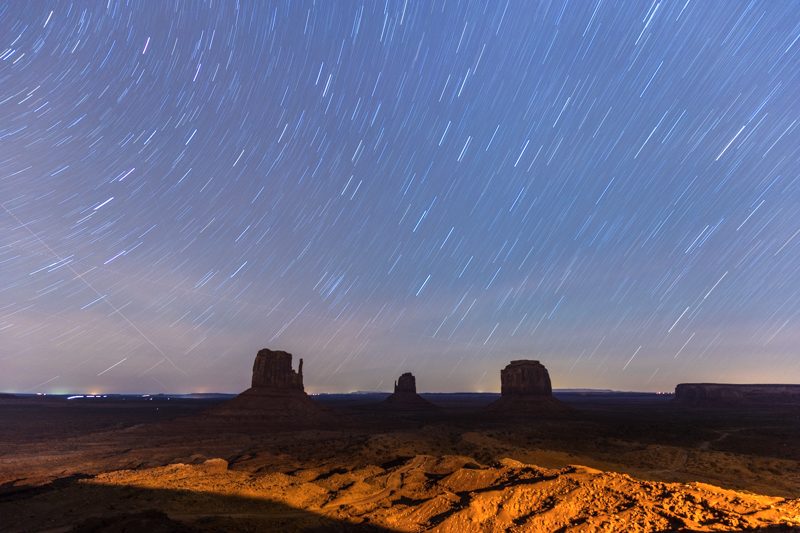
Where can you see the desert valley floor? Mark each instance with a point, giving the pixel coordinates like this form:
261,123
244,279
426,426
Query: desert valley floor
608,462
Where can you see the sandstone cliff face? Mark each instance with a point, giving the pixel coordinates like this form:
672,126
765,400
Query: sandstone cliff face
525,378
727,394
526,390
273,370
406,383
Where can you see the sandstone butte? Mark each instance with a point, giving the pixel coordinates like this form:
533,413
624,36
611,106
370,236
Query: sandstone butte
276,395
370,491
525,388
405,395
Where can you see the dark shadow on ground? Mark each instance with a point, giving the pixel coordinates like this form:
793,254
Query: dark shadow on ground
645,435
78,506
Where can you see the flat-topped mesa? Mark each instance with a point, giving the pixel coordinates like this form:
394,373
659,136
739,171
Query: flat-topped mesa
273,370
730,394
526,390
405,395
525,377
406,383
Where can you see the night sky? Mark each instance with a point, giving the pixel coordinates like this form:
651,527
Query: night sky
434,187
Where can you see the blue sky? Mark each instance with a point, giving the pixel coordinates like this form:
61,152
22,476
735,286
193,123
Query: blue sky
435,187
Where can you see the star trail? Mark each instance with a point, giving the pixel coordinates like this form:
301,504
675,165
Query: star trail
440,187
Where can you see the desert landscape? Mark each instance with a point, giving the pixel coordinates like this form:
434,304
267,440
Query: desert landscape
276,459
399,266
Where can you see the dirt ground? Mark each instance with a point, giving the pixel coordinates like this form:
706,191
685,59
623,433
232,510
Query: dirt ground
611,462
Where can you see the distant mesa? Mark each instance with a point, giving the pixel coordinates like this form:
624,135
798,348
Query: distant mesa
736,395
405,395
273,370
406,384
525,386
276,393
525,378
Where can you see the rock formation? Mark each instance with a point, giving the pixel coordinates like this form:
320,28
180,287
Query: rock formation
525,387
405,395
525,378
727,394
450,493
406,383
273,370
276,394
